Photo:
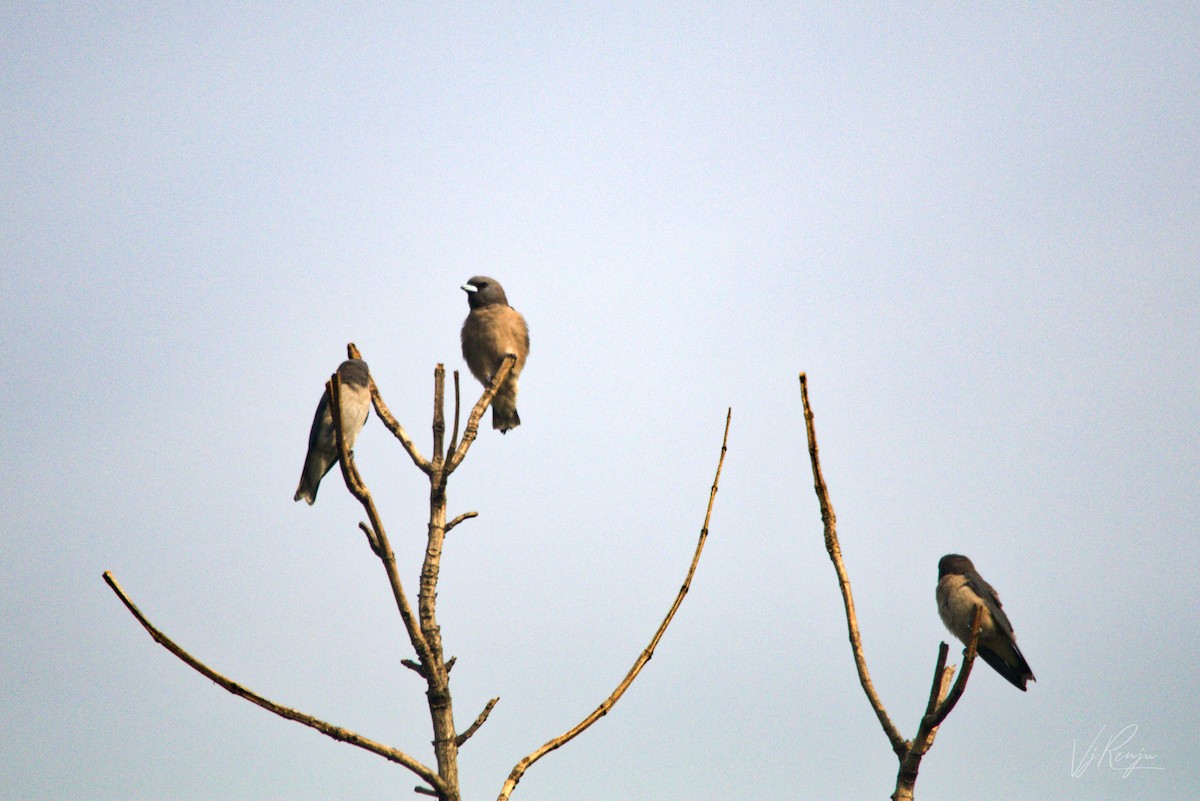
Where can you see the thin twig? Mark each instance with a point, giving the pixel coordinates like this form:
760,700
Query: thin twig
519,770
829,519
466,735
439,416
459,519
481,405
328,729
393,425
938,690
415,667
372,540
457,409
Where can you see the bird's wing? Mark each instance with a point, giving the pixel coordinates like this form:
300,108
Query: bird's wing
991,600
315,432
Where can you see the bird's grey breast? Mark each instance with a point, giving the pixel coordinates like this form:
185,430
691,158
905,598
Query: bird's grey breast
956,606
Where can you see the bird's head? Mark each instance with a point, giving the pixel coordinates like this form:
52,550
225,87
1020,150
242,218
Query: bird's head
483,291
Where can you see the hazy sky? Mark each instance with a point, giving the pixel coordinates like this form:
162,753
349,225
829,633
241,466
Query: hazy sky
977,231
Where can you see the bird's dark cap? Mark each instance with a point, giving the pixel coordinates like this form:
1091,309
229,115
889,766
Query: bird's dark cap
484,291
954,564
354,371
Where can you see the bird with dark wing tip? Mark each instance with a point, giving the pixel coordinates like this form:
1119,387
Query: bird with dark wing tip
492,330
960,590
322,439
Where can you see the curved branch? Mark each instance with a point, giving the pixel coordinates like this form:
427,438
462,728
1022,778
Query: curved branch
519,769
393,425
389,420
328,729
899,746
459,519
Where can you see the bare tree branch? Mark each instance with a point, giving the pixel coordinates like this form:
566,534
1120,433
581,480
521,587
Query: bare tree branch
457,409
941,678
439,416
899,745
328,729
483,716
459,519
519,769
372,540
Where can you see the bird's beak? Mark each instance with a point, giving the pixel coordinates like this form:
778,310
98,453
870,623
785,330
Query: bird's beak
470,288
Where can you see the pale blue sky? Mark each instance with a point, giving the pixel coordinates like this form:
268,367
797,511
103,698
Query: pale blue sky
977,230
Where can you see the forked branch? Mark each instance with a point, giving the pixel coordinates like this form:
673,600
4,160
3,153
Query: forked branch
458,453
519,770
940,704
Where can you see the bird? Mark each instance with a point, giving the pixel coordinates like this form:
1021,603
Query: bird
492,330
322,439
960,589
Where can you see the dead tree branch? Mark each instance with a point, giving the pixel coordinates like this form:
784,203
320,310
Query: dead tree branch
459,519
328,729
389,420
519,769
483,716
829,519
457,409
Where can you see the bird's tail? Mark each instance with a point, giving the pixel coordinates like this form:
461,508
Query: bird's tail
315,468
504,408
1011,664
309,494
